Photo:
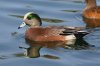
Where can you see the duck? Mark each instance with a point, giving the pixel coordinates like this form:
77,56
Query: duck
91,14
38,33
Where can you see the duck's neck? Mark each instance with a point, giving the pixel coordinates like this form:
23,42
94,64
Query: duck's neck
90,4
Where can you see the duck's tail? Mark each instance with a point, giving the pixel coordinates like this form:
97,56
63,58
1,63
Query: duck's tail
78,34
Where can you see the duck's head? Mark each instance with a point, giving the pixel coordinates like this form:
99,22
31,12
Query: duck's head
31,19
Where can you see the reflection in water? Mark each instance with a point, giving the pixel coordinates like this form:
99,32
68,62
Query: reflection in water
52,20
19,54
81,44
34,50
51,57
71,10
14,33
91,23
18,16
78,1
3,57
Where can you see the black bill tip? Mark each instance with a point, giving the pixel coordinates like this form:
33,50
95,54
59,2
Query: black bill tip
19,27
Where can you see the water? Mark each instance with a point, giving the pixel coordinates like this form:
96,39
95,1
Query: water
52,12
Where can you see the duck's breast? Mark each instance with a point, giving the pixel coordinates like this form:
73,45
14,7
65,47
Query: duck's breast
92,13
92,17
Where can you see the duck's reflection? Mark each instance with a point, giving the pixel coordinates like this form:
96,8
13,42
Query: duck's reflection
34,50
91,23
81,44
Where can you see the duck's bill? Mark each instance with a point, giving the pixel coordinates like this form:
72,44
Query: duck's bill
22,25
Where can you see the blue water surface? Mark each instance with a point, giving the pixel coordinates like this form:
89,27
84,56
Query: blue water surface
64,12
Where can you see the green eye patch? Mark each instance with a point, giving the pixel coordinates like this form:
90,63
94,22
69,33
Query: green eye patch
30,17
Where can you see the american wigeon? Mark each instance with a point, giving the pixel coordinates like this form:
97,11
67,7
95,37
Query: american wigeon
36,32
91,14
